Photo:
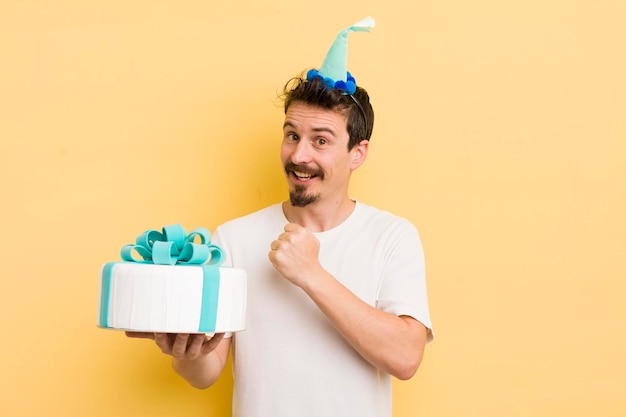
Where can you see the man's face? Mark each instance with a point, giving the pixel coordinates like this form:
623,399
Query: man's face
315,154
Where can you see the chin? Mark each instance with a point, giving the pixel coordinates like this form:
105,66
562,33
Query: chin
300,199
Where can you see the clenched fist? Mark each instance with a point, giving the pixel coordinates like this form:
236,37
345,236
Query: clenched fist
295,254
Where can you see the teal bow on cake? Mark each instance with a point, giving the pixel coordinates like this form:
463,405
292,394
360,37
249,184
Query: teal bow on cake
174,246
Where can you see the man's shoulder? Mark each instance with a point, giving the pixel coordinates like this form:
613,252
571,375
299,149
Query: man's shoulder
382,224
383,217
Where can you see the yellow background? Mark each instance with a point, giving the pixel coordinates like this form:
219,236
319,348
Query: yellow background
500,132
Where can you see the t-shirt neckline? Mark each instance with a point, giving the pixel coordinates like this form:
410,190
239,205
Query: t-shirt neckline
330,232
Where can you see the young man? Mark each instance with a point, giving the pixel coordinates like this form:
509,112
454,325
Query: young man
336,289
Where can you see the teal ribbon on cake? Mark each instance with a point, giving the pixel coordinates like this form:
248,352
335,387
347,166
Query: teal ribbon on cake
173,246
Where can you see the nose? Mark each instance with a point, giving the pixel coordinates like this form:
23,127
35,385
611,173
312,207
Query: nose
301,153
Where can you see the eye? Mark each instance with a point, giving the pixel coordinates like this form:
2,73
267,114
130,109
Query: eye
321,141
292,137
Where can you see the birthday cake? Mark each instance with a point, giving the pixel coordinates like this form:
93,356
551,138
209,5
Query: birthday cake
174,285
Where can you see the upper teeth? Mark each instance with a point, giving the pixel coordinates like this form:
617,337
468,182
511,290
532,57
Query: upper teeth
301,174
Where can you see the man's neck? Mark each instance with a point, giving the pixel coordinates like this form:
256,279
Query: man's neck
319,217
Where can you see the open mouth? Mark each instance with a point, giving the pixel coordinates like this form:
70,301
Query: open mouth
302,174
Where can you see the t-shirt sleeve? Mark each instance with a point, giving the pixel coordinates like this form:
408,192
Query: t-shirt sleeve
403,286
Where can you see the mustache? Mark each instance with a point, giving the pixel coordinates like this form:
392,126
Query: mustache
290,167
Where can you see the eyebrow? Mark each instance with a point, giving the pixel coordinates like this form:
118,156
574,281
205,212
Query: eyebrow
315,129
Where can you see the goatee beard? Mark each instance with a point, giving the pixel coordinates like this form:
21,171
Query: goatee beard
299,197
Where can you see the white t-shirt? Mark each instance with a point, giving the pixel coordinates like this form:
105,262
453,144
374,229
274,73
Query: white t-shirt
290,361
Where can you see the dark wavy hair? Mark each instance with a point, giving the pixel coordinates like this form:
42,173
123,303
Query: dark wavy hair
357,107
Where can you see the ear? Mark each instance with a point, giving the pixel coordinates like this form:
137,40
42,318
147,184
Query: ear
359,154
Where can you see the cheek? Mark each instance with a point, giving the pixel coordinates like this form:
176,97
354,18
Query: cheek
345,164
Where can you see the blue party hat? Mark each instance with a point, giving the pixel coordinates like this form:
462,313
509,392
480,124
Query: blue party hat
334,70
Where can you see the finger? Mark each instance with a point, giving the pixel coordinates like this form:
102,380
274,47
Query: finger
272,258
194,345
292,227
180,346
210,344
283,237
163,342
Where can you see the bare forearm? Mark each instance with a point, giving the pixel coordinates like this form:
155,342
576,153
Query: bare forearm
391,343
